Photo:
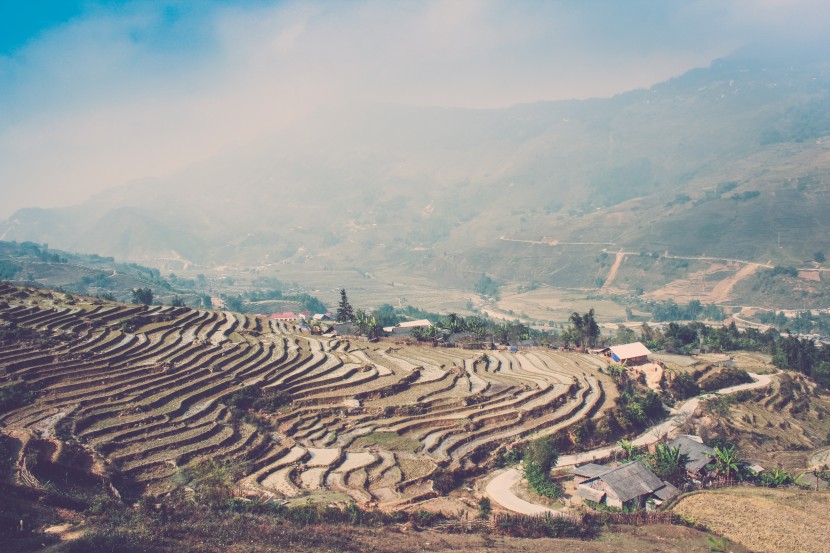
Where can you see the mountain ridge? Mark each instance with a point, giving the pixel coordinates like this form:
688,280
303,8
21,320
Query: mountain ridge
433,189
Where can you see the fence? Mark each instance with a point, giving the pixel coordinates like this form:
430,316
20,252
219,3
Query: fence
635,518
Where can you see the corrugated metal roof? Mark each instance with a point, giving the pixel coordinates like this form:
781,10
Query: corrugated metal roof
631,480
590,470
699,454
407,324
628,351
667,492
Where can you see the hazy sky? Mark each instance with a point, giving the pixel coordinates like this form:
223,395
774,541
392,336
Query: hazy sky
97,93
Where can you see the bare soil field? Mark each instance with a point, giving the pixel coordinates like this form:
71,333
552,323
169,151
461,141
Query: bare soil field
762,519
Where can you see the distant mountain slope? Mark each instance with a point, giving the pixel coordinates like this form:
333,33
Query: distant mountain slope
731,160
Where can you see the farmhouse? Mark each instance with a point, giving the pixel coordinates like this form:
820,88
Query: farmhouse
700,455
629,485
322,317
286,316
405,328
629,354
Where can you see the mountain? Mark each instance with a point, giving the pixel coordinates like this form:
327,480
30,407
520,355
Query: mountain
728,161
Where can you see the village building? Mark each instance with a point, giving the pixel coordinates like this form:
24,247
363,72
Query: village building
322,317
405,328
344,329
631,485
700,454
286,316
629,354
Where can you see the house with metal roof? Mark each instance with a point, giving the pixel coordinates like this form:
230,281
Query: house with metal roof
700,454
628,485
629,353
405,328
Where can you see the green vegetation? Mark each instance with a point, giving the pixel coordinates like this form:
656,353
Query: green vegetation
16,394
486,286
540,456
804,322
484,508
725,378
683,386
670,311
804,122
345,312
744,196
259,399
802,355
143,296
584,331
8,270
716,193
669,464
546,526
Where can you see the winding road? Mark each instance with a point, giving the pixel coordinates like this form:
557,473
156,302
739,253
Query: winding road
500,491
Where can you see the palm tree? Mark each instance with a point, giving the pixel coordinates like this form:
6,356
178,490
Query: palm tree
373,328
670,464
579,329
727,464
456,324
477,327
361,319
629,449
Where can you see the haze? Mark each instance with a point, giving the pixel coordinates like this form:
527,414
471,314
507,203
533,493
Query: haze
97,94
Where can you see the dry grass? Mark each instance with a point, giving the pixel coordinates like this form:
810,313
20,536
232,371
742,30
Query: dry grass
551,304
765,520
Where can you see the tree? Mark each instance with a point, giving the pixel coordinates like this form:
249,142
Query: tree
819,257
726,462
345,313
367,324
455,323
484,508
540,456
629,450
585,328
486,286
625,335
385,315
143,296
669,464
477,326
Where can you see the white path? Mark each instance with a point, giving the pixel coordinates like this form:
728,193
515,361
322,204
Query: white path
500,488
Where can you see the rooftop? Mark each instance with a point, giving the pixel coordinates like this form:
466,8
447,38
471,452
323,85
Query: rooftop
629,351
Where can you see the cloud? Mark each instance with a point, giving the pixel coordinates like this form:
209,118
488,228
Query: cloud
143,88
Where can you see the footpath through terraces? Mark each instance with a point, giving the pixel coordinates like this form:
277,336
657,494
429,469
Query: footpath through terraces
500,488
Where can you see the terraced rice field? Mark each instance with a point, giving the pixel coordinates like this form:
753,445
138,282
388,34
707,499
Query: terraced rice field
144,390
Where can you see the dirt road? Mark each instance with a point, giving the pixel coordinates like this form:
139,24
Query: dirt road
500,488
614,269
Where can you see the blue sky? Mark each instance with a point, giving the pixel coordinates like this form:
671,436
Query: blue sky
22,21
97,93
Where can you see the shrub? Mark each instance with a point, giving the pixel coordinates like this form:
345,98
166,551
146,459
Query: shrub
725,378
547,526
684,386
484,508
258,399
540,457
16,394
